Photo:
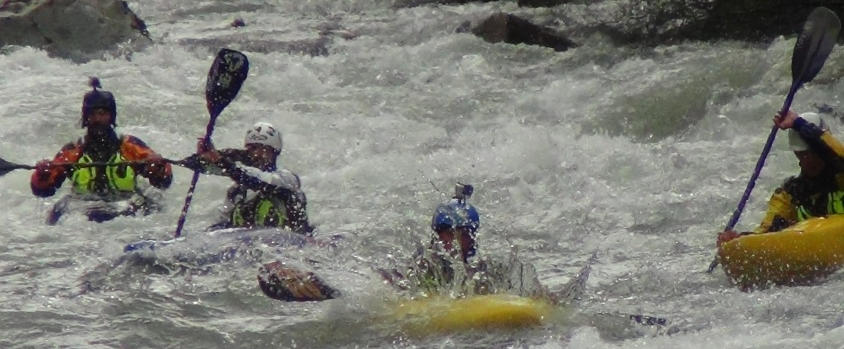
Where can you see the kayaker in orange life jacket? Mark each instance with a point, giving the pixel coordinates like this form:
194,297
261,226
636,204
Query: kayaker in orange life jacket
105,191
263,195
819,188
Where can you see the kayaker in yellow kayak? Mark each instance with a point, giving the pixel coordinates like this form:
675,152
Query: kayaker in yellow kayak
819,188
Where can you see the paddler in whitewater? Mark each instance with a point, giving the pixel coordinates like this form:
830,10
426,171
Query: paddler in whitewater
453,245
447,265
454,223
263,194
819,188
450,265
110,189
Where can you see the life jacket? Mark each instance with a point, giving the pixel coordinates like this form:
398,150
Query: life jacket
834,205
119,178
258,212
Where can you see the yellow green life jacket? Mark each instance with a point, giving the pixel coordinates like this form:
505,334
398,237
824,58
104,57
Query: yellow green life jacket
834,205
83,177
258,212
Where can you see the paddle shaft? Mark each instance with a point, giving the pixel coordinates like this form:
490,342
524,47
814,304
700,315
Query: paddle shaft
225,77
759,165
13,166
209,129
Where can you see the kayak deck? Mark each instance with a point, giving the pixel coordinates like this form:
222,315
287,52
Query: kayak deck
444,314
798,255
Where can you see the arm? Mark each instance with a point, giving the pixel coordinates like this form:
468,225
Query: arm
158,171
272,183
815,135
780,214
49,176
197,163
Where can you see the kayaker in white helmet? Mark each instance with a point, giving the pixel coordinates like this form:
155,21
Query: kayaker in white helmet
263,195
819,188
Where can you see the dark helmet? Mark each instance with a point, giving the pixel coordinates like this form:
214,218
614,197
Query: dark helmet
98,99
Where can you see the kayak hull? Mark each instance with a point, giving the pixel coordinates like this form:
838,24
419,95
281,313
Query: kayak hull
494,311
798,255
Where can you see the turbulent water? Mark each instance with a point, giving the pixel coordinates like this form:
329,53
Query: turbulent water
638,155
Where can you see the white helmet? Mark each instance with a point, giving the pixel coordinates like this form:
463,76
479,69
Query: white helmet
795,142
264,133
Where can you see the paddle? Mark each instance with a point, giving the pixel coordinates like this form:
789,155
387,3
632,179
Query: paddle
6,167
225,77
285,283
810,52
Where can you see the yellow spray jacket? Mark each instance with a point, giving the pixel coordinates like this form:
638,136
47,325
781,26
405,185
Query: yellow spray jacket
783,210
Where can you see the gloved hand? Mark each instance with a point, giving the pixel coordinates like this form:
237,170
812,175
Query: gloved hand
43,170
207,152
155,167
725,236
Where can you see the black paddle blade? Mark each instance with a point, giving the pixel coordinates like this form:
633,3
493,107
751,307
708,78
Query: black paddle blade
6,167
227,74
814,45
284,283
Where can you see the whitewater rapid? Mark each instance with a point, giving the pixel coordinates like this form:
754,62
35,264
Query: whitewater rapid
639,155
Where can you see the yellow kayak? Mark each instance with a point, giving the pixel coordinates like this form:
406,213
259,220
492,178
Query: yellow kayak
444,314
798,255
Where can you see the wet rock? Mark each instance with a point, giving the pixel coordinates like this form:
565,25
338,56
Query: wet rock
667,21
759,19
503,27
74,29
238,22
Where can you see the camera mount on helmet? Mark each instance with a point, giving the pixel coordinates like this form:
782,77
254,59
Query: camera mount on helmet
462,191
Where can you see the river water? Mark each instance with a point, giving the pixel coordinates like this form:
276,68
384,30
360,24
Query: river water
636,155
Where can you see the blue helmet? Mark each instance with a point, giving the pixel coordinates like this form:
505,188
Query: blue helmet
456,213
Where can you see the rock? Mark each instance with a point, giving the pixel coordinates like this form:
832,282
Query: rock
503,27
642,22
76,29
238,22
757,20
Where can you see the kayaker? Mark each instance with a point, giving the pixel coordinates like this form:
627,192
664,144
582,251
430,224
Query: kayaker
263,195
106,191
454,224
456,221
819,188
450,263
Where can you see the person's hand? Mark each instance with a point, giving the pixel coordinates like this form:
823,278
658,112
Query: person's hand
43,170
156,167
785,121
725,236
202,146
206,151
